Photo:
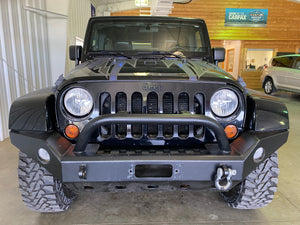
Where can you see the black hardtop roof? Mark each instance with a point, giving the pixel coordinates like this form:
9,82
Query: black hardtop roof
143,18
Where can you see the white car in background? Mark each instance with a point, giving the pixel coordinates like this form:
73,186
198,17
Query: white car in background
282,74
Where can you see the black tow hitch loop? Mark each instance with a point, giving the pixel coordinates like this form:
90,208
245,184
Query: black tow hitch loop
223,179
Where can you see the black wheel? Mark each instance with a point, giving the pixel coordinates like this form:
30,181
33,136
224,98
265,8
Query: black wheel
39,189
258,189
269,86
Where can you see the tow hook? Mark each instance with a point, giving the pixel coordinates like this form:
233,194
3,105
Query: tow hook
223,181
82,172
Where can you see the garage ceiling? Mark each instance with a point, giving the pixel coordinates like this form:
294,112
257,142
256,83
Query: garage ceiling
158,7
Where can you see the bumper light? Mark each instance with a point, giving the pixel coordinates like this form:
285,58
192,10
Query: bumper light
72,131
43,155
259,155
231,131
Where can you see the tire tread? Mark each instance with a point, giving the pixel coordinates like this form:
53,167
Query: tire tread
39,189
259,187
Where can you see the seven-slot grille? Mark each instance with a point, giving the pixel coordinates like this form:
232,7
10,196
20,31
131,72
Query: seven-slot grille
151,103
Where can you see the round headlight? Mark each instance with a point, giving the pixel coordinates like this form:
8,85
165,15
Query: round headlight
224,102
78,102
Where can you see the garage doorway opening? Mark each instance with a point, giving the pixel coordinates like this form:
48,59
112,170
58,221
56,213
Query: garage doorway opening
258,59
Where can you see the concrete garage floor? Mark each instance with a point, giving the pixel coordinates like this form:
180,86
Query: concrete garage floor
197,207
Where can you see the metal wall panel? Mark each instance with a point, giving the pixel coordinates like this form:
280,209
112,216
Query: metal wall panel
24,60
78,16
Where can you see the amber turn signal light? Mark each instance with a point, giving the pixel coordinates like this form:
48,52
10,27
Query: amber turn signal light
231,131
72,131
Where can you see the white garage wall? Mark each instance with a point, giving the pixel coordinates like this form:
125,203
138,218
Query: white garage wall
79,14
24,59
236,45
57,22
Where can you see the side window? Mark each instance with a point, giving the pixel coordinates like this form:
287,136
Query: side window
297,63
275,62
286,62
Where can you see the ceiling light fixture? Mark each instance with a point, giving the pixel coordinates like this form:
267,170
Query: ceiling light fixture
140,3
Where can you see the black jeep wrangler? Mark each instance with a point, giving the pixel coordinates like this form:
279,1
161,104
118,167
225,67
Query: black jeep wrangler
147,108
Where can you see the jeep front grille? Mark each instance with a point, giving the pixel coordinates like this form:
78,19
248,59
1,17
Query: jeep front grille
151,103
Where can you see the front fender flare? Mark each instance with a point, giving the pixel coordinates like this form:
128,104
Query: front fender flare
269,114
34,112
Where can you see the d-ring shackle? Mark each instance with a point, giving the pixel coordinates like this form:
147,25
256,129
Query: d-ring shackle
223,173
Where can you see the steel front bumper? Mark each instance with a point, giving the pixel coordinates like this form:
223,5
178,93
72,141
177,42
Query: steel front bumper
68,167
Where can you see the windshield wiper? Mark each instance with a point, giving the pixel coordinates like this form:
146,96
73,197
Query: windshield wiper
162,53
109,53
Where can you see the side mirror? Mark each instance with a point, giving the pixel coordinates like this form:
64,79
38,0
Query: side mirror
218,55
75,53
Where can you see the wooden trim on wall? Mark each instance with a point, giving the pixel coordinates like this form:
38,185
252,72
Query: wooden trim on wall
230,59
282,23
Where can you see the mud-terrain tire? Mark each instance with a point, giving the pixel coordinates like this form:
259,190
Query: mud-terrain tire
258,189
39,189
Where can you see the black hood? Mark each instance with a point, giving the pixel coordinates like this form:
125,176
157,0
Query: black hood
105,68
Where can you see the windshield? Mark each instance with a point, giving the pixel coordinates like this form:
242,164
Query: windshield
141,37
